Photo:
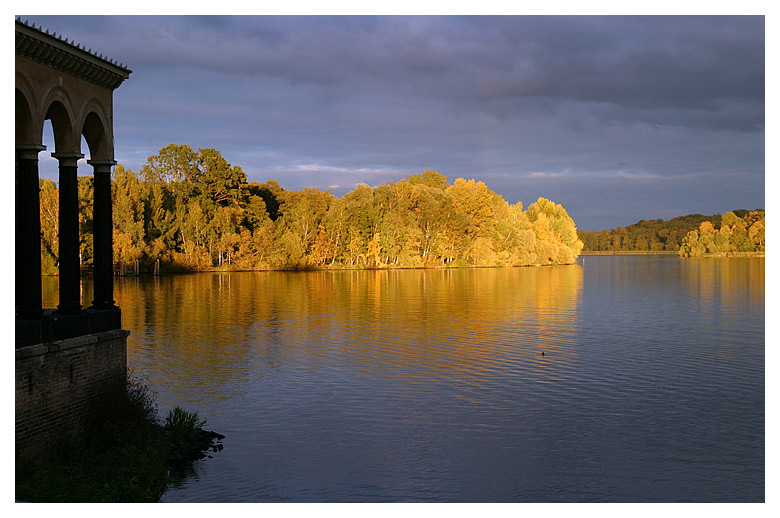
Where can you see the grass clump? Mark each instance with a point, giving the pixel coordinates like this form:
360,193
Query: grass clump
182,426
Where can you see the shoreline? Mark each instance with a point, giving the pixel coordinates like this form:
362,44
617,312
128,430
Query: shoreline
466,267
666,252
628,252
88,273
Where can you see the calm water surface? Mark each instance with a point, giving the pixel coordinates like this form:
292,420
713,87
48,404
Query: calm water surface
429,385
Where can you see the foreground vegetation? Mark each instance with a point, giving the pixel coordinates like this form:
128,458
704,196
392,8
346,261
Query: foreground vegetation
127,455
191,210
741,231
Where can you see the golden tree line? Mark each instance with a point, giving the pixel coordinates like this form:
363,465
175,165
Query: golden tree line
191,210
736,235
668,236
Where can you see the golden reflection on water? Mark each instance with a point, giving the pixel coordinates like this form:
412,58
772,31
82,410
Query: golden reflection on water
728,287
397,324
460,324
734,280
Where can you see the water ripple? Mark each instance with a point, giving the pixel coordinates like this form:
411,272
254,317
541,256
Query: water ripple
430,385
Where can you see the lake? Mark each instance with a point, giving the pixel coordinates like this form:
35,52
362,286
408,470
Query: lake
431,385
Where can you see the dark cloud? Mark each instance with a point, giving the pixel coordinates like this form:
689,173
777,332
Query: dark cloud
568,106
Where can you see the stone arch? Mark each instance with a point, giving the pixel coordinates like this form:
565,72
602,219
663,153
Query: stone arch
59,109
97,132
25,125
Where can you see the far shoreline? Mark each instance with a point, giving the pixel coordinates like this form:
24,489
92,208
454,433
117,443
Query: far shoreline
669,252
216,269
628,252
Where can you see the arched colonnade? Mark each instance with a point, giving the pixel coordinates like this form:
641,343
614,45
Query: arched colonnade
59,81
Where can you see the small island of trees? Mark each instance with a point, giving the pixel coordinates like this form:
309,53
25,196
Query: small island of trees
192,211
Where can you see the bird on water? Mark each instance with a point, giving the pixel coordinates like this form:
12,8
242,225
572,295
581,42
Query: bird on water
542,353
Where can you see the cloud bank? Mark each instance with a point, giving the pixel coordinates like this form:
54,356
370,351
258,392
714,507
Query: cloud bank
616,118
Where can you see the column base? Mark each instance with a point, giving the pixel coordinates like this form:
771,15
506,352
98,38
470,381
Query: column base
64,325
103,319
52,325
68,309
28,332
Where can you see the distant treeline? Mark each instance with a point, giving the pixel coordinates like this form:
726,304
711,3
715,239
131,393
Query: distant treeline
744,230
191,210
735,235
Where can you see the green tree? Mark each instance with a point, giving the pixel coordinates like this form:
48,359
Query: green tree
374,250
429,178
430,207
690,246
740,241
161,229
255,213
301,213
86,201
218,180
227,229
271,193
128,216
756,233
355,247
49,208
707,237
174,163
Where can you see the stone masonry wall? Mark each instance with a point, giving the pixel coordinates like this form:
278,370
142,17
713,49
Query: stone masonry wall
58,384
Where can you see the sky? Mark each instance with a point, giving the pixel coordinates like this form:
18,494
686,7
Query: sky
616,118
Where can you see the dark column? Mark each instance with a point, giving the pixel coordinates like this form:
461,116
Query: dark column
103,237
28,233
70,274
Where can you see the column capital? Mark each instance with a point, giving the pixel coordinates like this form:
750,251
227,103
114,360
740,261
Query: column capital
102,166
68,159
29,151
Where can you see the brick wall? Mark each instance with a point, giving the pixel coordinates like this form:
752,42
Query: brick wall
58,384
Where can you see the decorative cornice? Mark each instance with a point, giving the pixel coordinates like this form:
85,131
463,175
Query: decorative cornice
67,56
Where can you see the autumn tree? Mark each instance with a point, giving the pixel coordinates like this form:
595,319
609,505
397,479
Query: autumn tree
128,213
556,234
49,209
476,202
193,210
736,235
86,202
300,216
